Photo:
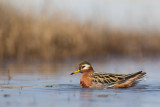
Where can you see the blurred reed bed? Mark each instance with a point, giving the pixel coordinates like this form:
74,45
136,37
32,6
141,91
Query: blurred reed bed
58,37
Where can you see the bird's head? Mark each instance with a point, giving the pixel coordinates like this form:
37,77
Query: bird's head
83,67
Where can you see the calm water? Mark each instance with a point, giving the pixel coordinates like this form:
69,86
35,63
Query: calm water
50,85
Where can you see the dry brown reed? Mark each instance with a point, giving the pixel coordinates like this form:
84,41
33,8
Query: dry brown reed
60,37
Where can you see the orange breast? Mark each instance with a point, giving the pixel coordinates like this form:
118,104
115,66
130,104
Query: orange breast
84,85
85,82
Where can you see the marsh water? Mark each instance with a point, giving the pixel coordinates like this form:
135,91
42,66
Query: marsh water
49,84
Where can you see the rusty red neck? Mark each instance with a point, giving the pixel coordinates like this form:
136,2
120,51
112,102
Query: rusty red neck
85,79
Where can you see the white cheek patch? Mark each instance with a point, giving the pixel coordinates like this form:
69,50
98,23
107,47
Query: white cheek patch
86,66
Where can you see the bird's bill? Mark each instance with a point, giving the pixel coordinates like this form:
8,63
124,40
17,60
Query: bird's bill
75,72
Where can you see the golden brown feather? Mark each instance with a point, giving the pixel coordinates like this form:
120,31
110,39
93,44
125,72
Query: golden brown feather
109,79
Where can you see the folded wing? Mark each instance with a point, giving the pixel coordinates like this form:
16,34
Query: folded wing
109,79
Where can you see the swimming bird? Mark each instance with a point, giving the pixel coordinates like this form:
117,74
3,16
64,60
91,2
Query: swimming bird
91,79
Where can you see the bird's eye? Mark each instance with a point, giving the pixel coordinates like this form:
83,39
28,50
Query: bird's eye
83,66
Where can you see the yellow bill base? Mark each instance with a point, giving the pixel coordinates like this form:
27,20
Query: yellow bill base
75,72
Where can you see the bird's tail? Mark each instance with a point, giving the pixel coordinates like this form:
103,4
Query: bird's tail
136,75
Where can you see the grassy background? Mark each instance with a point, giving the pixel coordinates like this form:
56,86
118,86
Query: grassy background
24,36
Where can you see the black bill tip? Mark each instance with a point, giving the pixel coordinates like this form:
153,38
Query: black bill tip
71,73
